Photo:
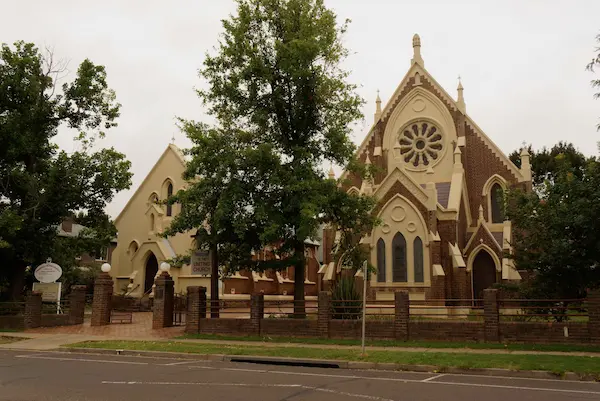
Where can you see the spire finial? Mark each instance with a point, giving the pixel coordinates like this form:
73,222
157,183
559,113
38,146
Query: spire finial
417,50
331,172
377,108
480,218
173,139
461,99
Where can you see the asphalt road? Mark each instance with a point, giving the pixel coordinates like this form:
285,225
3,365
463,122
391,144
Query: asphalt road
53,376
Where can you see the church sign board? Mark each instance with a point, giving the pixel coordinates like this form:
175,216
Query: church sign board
201,263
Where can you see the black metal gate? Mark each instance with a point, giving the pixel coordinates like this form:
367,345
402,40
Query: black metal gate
179,309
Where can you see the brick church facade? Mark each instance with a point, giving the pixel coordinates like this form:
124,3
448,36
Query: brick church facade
439,186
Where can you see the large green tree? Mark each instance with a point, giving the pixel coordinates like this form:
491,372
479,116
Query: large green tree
556,234
276,87
544,162
39,184
593,64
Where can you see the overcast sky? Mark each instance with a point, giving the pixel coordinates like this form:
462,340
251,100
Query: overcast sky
522,62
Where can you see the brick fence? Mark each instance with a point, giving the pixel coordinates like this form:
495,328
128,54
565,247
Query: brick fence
34,317
399,326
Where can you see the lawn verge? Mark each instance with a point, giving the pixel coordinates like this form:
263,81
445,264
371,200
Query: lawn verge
8,340
399,344
588,367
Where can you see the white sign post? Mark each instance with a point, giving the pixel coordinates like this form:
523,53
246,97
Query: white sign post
364,306
47,274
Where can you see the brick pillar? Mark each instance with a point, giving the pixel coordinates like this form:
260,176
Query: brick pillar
491,316
77,301
401,315
324,313
101,305
257,310
196,309
33,310
593,300
164,294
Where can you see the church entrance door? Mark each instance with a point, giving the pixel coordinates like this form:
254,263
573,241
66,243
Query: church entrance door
151,270
484,273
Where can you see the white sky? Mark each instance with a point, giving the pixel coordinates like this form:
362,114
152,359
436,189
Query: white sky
522,62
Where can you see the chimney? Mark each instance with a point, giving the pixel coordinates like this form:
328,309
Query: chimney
67,224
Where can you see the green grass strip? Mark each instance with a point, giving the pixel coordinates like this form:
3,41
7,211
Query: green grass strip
401,344
557,364
8,340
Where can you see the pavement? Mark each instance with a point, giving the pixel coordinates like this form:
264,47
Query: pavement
53,376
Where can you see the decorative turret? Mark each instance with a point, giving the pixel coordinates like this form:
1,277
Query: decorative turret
525,163
417,51
331,173
367,184
461,99
457,158
377,108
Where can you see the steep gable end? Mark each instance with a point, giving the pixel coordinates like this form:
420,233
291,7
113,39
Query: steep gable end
170,165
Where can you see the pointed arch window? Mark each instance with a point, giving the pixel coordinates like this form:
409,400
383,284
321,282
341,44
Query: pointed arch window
418,249
497,203
152,222
381,261
399,271
169,194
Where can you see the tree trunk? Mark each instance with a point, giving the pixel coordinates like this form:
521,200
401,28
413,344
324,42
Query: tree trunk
214,281
299,267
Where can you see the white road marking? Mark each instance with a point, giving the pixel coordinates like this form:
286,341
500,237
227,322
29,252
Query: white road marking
433,378
426,381
183,363
311,388
560,390
81,360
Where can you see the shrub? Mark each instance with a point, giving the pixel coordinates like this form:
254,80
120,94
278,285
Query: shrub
346,302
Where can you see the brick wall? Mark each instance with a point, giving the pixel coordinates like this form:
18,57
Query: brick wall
529,332
52,320
449,330
289,327
12,322
227,326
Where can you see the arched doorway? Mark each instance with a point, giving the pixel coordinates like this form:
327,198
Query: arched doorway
484,273
151,270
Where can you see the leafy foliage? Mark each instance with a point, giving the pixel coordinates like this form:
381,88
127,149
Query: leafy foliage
555,230
545,164
346,301
40,185
595,63
283,107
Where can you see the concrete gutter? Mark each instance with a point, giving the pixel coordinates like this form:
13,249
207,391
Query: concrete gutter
340,364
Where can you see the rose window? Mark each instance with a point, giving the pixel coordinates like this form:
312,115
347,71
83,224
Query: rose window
420,144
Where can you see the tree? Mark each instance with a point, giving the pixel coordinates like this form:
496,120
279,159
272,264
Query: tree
276,81
555,230
545,165
596,63
219,200
40,185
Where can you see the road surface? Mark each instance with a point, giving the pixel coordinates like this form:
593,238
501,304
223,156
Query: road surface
53,376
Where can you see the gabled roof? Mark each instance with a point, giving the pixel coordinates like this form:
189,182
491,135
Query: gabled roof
170,149
418,67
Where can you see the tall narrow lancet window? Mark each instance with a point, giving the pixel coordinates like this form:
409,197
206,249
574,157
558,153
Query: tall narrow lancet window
381,261
169,194
399,271
152,222
497,203
418,249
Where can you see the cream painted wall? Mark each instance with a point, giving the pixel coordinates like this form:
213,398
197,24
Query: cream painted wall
417,107
134,224
400,215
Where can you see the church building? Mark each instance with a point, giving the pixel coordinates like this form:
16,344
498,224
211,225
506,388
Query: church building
440,186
